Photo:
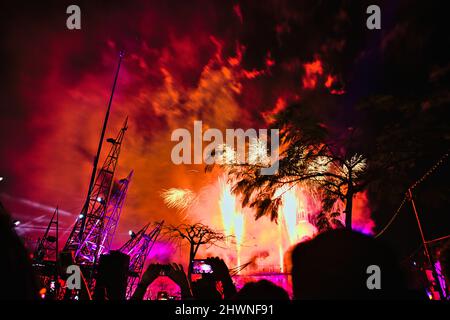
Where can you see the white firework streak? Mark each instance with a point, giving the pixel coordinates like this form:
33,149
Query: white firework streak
36,205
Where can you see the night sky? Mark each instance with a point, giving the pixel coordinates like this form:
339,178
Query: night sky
227,63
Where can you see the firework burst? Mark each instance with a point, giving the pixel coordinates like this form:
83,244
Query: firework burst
258,153
177,198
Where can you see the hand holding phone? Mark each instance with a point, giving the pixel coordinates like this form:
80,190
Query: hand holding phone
200,266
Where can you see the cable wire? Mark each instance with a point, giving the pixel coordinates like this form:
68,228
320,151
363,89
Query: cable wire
414,185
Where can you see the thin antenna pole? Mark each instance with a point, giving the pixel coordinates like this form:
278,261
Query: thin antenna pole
425,245
99,150
57,243
57,232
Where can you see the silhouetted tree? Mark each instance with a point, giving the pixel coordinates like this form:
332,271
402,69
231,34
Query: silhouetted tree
196,235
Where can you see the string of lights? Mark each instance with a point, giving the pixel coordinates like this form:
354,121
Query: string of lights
393,217
414,185
432,169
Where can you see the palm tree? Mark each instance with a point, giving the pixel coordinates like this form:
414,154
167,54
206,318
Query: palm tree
308,157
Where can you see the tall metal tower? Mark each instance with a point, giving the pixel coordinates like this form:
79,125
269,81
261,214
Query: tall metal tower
47,247
111,219
138,248
78,231
45,259
86,236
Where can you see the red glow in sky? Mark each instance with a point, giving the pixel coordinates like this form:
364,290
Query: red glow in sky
181,65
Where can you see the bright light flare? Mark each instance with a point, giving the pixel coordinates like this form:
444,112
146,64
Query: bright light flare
289,211
239,233
227,203
293,213
233,220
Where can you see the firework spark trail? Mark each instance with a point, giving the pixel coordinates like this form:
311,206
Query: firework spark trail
180,199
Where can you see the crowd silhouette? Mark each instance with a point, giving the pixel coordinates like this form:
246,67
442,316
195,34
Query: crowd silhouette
333,265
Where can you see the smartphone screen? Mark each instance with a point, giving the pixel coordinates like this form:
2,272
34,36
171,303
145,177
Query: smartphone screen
201,267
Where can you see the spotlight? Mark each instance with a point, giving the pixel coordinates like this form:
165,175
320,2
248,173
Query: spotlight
81,216
16,222
101,200
1,179
132,234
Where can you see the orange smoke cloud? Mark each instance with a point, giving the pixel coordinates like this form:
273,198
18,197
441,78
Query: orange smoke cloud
170,78
312,71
